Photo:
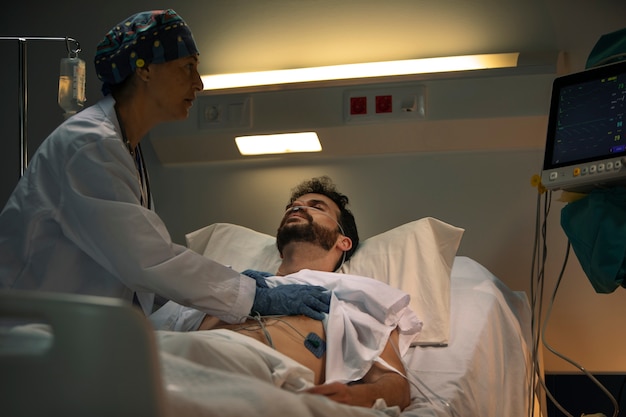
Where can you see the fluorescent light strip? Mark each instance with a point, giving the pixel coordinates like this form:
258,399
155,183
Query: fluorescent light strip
278,143
366,70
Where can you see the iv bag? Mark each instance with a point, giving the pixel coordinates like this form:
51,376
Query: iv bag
72,85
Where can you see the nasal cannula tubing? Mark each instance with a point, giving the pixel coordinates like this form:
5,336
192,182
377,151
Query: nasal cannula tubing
298,208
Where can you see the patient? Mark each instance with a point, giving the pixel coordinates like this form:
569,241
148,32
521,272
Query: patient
318,233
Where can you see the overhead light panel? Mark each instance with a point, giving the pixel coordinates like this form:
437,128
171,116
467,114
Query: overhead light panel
364,70
278,143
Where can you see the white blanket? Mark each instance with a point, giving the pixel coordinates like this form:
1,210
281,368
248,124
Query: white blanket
363,313
230,351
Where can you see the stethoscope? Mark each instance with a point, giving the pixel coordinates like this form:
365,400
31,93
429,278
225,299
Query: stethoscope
142,172
146,197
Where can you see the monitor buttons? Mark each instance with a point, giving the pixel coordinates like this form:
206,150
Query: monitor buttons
593,169
576,172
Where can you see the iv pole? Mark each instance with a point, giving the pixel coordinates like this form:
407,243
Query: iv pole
23,87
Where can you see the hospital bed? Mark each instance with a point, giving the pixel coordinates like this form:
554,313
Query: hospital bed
472,358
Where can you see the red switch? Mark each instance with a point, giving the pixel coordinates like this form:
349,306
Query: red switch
383,104
358,105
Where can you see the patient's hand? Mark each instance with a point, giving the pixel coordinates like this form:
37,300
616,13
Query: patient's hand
389,386
378,382
336,391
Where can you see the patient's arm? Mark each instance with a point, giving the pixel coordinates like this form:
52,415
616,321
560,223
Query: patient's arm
379,382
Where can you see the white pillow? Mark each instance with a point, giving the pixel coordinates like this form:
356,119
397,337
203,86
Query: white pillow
415,257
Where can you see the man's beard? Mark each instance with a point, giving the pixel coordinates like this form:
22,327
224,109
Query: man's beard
306,232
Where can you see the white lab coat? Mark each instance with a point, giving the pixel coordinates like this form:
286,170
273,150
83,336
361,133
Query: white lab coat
75,224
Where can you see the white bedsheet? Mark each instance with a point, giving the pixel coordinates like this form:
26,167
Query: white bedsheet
485,369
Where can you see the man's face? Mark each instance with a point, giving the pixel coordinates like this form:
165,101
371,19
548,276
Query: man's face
314,220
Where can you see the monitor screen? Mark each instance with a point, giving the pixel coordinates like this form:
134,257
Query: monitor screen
586,140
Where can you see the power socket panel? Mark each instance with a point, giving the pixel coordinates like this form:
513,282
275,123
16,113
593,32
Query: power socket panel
379,104
224,112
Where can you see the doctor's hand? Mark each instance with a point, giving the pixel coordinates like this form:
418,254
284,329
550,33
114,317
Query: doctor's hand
291,300
258,276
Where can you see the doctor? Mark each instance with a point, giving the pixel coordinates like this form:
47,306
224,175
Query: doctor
81,219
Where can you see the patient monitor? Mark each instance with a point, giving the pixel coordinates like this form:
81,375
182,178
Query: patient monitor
586,140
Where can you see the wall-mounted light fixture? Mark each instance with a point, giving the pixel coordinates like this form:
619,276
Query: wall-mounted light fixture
364,70
327,108
278,143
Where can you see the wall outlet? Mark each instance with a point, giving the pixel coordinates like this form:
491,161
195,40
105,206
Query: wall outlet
378,104
223,112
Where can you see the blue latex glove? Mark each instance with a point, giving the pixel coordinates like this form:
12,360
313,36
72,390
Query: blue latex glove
258,276
290,300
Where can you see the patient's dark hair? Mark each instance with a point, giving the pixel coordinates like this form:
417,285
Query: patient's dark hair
325,186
